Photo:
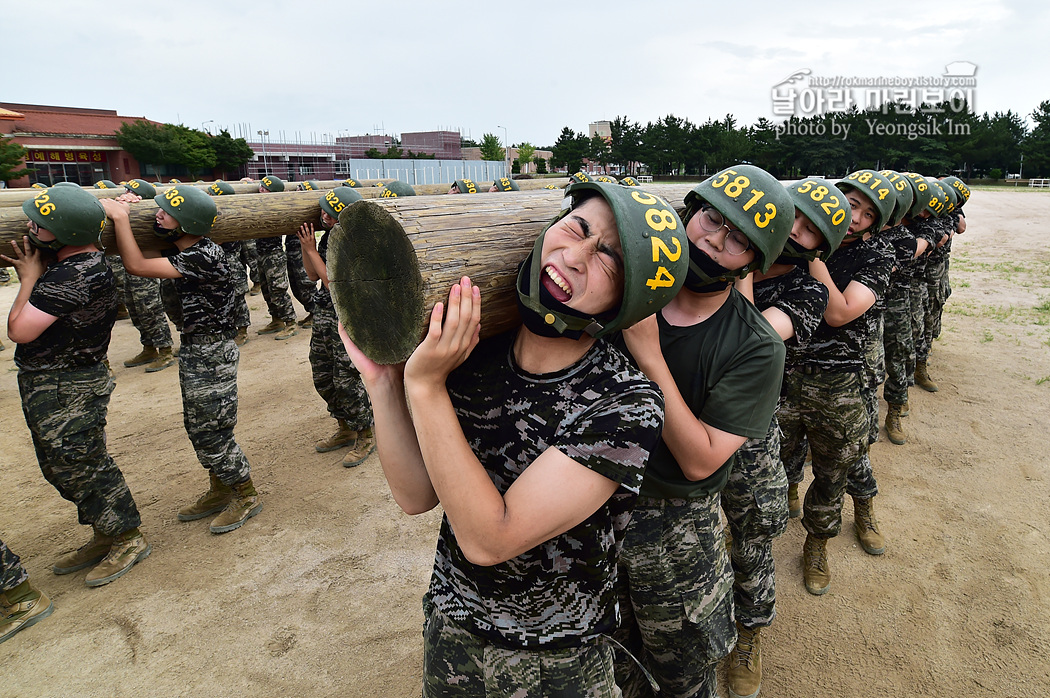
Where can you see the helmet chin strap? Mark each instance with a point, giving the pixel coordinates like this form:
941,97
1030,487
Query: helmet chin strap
53,245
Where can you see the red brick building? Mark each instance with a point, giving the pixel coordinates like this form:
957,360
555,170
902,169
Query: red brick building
66,144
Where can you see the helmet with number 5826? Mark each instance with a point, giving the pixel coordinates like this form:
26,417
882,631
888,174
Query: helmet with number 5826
752,201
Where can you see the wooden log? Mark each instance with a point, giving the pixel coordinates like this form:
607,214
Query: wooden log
391,260
15,197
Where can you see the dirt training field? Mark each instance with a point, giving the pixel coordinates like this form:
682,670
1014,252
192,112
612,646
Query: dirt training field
320,594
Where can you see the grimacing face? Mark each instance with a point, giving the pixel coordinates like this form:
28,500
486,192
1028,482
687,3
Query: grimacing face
582,259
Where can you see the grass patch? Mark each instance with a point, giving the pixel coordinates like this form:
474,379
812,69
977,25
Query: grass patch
988,336
1040,381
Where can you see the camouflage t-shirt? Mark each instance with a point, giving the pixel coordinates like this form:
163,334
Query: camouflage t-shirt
841,349
802,298
206,290
904,244
606,416
81,293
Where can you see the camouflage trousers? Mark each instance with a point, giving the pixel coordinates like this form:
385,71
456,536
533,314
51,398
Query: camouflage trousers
304,290
250,259
917,309
208,378
755,504
874,375
241,315
676,598
12,573
66,414
274,268
460,664
117,265
937,292
898,344
142,297
335,378
5,276
827,410
169,297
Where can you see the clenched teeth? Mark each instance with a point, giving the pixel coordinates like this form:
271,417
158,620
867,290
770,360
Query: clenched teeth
556,278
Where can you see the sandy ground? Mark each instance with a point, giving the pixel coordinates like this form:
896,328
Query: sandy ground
320,594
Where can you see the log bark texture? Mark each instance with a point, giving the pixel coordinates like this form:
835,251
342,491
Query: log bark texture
391,260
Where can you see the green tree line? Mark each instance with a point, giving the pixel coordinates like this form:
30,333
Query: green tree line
931,139
175,144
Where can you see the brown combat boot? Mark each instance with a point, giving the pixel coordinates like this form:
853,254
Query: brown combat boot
165,358
745,663
867,527
255,290
815,568
91,553
893,424
128,548
244,505
212,501
343,435
905,410
290,330
21,607
122,312
272,327
794,504
362,448
242,336
307,321
922,378
148,354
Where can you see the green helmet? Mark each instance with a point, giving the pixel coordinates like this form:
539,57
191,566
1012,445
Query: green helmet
960,188
272,183
905,193
552,186
38,185
466,186
953,196
335,200
653,240
397,188
142,188
924,194
629,181
939,203
875,187
608,179
74,216
220,187
67,184
174,181
309,185
351,182
755,203
826,207
193,209
105,184
505,184
580,177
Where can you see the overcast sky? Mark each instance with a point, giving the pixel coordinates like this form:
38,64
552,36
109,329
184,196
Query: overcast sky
533,67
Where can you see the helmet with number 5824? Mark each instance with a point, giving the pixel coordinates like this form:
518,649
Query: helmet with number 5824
655,260
193,209
754,202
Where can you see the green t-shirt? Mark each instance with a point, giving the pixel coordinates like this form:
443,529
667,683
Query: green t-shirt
728,369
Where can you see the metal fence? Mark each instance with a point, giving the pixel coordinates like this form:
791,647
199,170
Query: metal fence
423,171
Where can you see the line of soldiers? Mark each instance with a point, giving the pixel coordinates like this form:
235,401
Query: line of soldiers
770,350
